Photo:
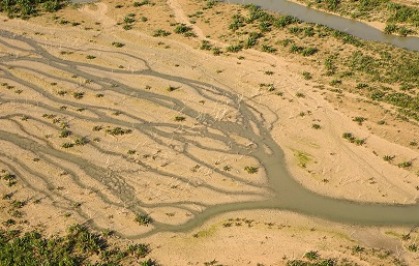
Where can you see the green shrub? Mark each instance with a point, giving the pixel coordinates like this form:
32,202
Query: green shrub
143,219
118,44
205,45
67,145
179,118
307,75
251,169
234,48
118,131
388,158
160,33
268,49
78,95
359,119
405,164
311,255
182,29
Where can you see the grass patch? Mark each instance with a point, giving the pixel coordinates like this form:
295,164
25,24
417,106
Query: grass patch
302,158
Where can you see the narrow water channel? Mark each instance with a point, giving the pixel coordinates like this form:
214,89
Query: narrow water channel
349,26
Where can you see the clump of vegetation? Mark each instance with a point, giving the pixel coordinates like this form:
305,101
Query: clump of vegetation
357,249
300,95
388,158
142,3
251,169
139,250
390,28
352,139
405,164
118,131
160,33
269,87
217,51
118,44
172,88
29,8
305,51
302,158
311,255
79,247
129,19
205,45
81,141
180,118
65,133
307,75
185,30
97,128
268,49
78,95
127,27
67,145
8,177
330,66
234,48
413,247
359,119
143,219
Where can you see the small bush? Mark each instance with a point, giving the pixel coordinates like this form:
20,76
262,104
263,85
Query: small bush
234,48
127,27
118,131
143,219
388,158
216,51
359,119
251,169
413,248
128,20
78,95
311,255
307,75
268,49
67,145
160,33
139,250
65,133
182,29
205,45
179,118
405,164
118,44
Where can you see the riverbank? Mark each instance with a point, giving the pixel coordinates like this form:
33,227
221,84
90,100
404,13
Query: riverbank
377,15
116,126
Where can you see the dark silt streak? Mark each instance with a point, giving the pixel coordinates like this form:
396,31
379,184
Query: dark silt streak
350,26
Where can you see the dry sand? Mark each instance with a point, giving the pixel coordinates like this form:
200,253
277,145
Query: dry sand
174,170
